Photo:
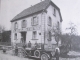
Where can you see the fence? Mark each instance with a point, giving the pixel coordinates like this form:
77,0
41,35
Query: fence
5,43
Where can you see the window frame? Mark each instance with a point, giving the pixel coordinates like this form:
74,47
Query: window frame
34,37
15,36
15,26
23,24
34,22
58,26
54,13
49,36
49,21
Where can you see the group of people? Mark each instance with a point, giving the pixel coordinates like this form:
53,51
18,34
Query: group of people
57,50
30,44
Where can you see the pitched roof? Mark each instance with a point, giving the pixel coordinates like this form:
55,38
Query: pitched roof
33,9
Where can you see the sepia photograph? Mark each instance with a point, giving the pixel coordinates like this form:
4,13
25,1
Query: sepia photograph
39,29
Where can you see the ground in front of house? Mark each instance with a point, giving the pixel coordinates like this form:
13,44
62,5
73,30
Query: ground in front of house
8,56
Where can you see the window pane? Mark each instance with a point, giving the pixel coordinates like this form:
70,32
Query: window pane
49,36
54,12
15,37
34,21
23,24
49,21
34,35
15,26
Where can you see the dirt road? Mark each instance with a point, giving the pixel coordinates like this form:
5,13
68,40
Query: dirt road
8,56
11,57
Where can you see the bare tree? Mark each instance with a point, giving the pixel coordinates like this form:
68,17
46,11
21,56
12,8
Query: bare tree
72,32
56,30
72,28
2,28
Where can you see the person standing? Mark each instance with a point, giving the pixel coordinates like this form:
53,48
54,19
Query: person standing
16,50
57,53
29,44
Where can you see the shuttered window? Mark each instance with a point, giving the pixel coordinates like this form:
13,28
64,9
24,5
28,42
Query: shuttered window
15,26
15,36
24,24
54,13
49,36
34,21
34,35
49,21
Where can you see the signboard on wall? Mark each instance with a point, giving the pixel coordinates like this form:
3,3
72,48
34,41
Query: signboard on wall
28,29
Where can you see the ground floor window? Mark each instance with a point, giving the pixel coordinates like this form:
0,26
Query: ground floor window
49,36
15,36
34,35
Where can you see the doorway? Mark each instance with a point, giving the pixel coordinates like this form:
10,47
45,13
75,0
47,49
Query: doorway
23,37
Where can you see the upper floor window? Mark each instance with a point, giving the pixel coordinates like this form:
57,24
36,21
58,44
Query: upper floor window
49,21
54,13
34,35
16,25
24,24
34,21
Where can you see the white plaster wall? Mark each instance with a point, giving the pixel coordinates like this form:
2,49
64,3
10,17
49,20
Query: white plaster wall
28,33
42,19
55,19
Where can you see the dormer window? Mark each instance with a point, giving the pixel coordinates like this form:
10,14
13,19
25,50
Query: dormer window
16,25
54,13
49,21
34,21
24,24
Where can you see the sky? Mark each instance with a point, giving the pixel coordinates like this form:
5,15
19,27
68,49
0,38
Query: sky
70,11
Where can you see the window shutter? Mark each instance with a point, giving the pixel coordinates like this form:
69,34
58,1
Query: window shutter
22,24
14,26
15,36
26,23
37,20
31,21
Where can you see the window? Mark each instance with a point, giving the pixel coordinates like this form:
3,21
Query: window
15,37
34,21
24,24
54,13
15,26
49,21
58,25
34,35
49,36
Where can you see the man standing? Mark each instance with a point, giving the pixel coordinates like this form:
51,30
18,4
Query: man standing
57,52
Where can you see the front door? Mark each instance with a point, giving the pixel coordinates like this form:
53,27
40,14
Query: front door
23,39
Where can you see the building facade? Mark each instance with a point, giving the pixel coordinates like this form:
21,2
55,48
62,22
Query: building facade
35,23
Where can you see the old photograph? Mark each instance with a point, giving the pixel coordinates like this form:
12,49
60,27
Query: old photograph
39,29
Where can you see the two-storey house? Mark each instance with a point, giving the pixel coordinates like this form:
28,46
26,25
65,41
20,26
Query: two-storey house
34,24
